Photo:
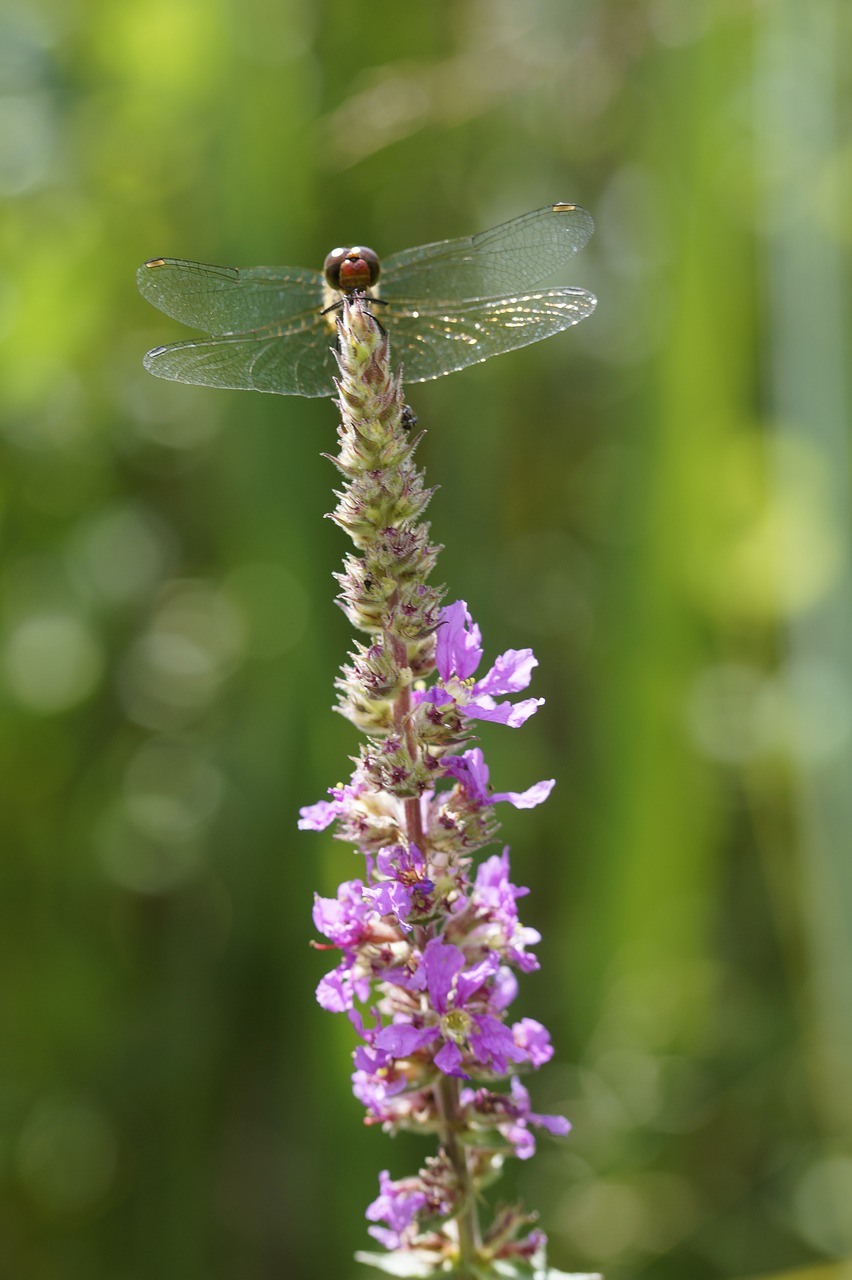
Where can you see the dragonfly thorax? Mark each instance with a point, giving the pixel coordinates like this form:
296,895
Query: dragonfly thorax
352,270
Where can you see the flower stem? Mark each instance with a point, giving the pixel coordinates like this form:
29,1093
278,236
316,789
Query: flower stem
447,1092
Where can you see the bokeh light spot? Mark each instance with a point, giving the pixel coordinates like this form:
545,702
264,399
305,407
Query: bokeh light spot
136,861
821,1205
52,661
603,1218
170,791
120,554
194,641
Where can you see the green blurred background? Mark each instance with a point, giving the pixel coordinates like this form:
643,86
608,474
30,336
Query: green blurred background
657,502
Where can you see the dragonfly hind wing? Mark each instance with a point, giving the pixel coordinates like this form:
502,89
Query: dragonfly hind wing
431,341
252,362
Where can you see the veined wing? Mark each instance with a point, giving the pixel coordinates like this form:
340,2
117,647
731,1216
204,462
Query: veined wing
433,339
224,300
512,257
291,359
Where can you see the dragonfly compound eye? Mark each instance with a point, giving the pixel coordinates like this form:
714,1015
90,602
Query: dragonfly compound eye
352,270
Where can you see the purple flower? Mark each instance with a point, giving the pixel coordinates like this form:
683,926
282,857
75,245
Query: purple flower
398,863
344,920
398,1204
375,1080
387,1092
338,990
511,1116
457,1021
368,817
316,817
354,922
534,1039
504,990
487,920
472,772
405,886
458,645
494,897
375,1090
457,655
393,899
519,1134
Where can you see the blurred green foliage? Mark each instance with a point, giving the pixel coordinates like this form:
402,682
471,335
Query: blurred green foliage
658,502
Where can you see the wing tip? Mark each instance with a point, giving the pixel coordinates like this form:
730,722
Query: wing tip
567,206
149,360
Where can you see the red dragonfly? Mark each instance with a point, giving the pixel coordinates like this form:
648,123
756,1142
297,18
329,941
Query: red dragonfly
445,305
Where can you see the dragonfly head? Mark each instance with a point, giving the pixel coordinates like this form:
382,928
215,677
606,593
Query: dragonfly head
352,270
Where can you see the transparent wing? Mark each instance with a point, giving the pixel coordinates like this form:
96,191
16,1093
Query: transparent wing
514,256
433,340
224,300
290,359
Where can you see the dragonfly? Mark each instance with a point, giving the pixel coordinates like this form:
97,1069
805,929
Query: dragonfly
445,306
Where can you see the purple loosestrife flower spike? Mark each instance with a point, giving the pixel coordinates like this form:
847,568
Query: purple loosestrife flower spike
428,947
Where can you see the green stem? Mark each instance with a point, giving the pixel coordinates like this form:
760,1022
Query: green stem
447,1092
